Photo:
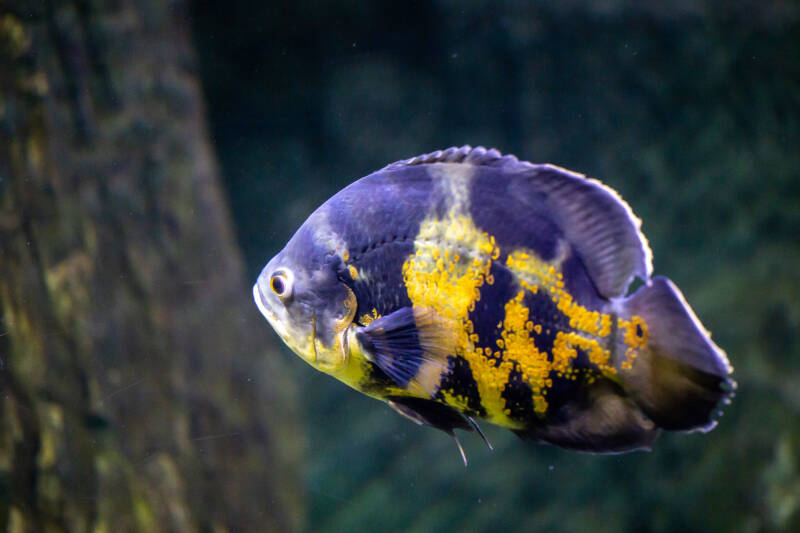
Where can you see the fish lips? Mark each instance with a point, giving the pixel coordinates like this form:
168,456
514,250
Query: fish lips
266,310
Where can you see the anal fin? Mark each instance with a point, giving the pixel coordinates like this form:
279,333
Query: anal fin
605,421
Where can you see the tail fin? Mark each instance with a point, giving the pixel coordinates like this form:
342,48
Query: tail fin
667,361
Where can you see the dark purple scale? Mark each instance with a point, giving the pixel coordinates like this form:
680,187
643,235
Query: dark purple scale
519,399
462,383
378,218
490,309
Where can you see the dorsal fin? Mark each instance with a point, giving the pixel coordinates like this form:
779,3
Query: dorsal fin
478,156
601,226
597,222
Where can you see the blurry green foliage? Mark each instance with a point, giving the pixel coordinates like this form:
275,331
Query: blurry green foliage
691,111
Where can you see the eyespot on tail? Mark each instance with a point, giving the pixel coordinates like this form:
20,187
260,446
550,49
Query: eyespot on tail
667,361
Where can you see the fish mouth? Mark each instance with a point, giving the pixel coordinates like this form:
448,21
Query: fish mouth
283,329
271,317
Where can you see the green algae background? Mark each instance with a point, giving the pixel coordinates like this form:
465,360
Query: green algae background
690,110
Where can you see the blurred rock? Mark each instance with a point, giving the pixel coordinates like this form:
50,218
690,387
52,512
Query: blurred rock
139,389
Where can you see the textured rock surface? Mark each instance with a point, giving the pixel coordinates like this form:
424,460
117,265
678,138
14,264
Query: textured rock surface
138,389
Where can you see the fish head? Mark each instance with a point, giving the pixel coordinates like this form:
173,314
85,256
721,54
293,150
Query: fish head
308,305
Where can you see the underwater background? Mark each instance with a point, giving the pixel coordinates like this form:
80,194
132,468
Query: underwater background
691,111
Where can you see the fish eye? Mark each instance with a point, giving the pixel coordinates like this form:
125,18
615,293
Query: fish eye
281,284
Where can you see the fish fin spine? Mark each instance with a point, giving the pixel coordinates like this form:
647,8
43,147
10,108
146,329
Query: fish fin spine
478,156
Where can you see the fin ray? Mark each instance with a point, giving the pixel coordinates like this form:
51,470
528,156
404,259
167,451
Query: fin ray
679,376
599,225
411,346
480,432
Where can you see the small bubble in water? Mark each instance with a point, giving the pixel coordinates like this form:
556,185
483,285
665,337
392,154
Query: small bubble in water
550,467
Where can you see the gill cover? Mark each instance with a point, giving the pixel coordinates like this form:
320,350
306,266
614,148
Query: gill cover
334,308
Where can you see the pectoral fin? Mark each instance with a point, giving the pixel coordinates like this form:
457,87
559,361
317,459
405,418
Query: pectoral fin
410,346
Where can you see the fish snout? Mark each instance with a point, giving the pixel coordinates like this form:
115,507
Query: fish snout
261,301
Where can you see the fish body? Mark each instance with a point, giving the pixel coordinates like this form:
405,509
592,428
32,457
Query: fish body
464,284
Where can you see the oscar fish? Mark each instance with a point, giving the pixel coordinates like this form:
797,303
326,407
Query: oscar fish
466,285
